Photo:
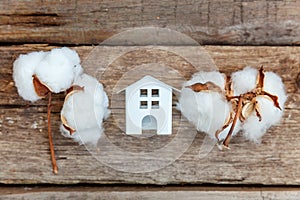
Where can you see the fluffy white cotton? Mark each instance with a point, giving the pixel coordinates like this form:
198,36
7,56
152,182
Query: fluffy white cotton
23,69
274,85
244,81
253,129
59,68
85,110
213,76
207,110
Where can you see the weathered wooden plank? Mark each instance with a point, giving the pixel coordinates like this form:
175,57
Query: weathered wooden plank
149,193
24,144
236,22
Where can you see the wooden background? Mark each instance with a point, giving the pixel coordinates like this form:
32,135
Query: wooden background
235,33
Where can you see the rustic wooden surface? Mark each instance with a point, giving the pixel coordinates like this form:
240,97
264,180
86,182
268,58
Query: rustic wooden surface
136,193
36,25
25,152
239,22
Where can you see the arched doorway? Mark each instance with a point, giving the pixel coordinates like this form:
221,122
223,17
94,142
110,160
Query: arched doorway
149,123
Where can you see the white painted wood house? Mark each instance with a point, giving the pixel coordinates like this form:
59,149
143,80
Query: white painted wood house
149,106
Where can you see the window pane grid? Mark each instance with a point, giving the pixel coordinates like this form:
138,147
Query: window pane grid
143,92
155,104
155,92
143,104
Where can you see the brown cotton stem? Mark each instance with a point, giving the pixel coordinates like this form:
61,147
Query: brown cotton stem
236,117
55,169
227,123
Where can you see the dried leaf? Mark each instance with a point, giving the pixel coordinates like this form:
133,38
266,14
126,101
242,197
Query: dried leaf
208,86
40,88
256,106
66,125
248,108
228,88
273,98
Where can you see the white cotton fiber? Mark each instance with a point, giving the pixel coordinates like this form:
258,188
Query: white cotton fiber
23,69
244,81
274,85
56,68
85,110
213,76
252,128
207,110
59,68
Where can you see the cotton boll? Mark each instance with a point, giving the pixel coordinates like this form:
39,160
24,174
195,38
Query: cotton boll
254,129
85,110
23,69
207,110
244,81
59,68
202,108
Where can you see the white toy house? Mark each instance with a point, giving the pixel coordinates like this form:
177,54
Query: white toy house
149,106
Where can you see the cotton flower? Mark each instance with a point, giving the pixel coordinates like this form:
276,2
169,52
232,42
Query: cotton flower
84,110
56,70
207,108
269,105
39,74
59,68
251,101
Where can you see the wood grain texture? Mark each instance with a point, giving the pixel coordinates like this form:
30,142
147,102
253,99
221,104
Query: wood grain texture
134,193
24,147
239,22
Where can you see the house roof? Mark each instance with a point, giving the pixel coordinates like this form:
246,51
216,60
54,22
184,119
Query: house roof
146,80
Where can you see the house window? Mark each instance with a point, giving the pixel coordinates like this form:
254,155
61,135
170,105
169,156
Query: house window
143,104
155,93
143,92
155,105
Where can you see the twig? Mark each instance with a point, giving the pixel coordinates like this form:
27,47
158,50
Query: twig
236,117
55,169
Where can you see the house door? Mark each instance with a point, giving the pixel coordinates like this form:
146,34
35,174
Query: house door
149,123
